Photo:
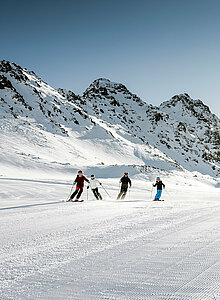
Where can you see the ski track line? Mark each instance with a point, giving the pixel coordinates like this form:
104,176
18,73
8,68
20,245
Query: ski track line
119,221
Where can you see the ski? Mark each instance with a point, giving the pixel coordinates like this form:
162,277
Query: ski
77,201
74,201
158,200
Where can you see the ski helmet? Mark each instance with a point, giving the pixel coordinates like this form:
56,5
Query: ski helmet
92,176
158,178
80,172
126,173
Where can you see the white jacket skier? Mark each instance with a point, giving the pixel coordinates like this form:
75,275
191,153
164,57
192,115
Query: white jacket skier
94,184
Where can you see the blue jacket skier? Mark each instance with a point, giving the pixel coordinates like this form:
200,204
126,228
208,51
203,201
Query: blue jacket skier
159,184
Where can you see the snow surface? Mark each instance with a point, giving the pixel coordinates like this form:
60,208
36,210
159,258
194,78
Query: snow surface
131,249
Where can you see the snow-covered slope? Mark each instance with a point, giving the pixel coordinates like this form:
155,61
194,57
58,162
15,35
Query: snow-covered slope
46,130
189,134
56,130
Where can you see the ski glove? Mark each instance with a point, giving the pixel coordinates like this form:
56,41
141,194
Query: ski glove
87,187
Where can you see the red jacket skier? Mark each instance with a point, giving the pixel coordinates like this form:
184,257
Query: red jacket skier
79,181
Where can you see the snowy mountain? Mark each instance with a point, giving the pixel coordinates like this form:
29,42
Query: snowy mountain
202,126
182,128
57,130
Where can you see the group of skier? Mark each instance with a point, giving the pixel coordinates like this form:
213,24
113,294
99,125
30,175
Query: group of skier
94,184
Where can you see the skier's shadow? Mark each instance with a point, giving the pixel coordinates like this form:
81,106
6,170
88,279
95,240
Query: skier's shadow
29,205
36,181
139,201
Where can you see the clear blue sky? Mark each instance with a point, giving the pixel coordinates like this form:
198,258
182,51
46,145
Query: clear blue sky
157,48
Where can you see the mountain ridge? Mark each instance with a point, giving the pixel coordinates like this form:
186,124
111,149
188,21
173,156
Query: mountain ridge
181,131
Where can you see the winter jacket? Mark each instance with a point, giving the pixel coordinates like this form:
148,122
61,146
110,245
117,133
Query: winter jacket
94,183
80,181
159,185
125,180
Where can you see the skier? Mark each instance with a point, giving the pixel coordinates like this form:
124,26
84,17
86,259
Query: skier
79,181
94,183
159,184
125,180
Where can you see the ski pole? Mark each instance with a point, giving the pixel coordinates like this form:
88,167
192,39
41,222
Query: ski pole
105,190
151,192
70,191
87,196
167,192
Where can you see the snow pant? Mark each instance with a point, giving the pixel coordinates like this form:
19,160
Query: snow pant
123,192
77,192
158,194
97,194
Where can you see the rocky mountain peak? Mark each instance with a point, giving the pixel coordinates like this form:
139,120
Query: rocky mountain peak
112,93
12,69
105,87
6,66
184,106
176,100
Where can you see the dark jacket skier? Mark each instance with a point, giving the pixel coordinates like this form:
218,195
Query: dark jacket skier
79,181
159,184
125,180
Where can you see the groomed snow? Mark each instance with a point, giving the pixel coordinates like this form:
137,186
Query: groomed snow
131,249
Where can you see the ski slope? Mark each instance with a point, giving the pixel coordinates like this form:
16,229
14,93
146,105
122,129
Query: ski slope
131,249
